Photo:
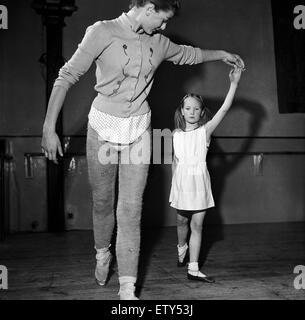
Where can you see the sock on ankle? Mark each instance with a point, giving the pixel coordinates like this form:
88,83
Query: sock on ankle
182,250
102,254
127,291
193,269
193,266
127,288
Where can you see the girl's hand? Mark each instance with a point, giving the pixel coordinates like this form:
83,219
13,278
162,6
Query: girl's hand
235,75
50,145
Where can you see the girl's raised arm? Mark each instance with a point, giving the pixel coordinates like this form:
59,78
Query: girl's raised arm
235,75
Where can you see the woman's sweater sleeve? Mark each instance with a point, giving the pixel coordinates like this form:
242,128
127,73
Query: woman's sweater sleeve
181,54
92,45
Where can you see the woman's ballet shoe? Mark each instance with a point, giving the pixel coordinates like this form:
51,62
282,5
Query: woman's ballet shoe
102,269
127,292
200,277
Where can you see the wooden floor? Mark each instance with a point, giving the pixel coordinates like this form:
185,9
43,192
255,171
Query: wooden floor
247,261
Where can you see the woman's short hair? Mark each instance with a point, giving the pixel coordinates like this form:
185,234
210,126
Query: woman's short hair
164,5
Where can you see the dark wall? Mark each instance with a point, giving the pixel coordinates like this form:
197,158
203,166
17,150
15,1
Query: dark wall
244,27
22,104
247,30
289,43
215,24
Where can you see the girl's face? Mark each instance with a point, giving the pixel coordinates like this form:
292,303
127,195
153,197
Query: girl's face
155,21
192,110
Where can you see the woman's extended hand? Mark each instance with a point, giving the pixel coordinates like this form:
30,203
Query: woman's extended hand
234,60
50,145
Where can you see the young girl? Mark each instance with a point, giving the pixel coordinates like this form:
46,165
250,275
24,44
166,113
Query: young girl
191,191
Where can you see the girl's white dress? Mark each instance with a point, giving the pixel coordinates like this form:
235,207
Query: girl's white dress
191,185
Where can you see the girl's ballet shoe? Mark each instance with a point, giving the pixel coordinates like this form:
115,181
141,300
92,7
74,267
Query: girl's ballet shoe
185,259
102,270
183,263
203,278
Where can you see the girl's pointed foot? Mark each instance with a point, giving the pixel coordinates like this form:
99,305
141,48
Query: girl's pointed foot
199,276
182,255
193,273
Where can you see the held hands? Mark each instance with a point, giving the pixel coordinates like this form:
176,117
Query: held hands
235,75
50,145
234,60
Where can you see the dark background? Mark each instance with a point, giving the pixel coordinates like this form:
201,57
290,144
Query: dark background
258,122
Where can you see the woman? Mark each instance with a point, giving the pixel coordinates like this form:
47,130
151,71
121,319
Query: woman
127,52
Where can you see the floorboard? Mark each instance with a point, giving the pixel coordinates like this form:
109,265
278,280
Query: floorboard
249,262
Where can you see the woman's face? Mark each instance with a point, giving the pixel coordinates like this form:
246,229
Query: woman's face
156,21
